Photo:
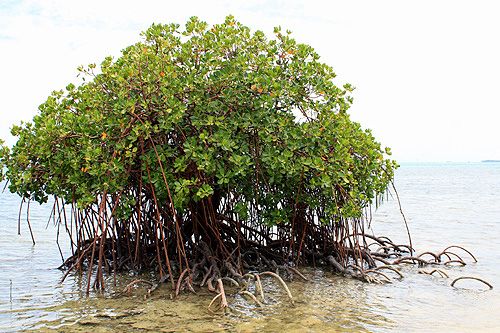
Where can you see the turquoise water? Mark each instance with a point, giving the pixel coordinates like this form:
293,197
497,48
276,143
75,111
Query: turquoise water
444,204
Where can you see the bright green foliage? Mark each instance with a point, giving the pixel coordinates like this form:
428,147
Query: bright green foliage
209,109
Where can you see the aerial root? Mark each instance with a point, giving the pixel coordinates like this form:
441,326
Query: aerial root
386,252
282,283
210,285
372,279
233,281
187,282
223,297
338,266
471,278
436,270
386,243
385,262
461,262
356,264
394,269
212,302
155,285
458,247
364,277
127,288
388,279
249,277
359,269
223,300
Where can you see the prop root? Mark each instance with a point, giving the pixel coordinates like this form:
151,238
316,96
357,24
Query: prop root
281,281
471,278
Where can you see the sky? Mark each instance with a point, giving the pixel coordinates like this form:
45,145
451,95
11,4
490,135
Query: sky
427,73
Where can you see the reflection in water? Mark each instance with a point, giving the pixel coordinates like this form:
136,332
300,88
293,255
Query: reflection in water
444,205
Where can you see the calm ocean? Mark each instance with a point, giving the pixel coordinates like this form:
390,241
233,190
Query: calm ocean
444,204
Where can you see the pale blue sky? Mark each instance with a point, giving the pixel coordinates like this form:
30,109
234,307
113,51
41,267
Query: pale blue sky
427,72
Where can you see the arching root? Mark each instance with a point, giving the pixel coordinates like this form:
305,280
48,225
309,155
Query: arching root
387,279
397,271
411,260
436,270
461,262
461,248
447,254
179,282
233,281
471,278
385,262
155,285
258,287
127,288
249,294
223,300
212,302
296,271
436,257
282,283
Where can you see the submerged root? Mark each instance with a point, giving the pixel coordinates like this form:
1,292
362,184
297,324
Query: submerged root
227,278
412,260
233,256
179,282
461,262
258,287
458,247
127,288
155,285
436,270
397,271
296,271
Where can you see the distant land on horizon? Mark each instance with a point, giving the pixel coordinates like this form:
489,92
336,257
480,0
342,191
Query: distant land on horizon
447,162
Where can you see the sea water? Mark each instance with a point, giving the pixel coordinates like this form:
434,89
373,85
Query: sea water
443,203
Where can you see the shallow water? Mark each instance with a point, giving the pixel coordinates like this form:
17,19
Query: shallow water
444,204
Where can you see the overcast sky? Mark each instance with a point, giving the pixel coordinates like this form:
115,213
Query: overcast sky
427,73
